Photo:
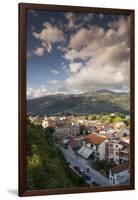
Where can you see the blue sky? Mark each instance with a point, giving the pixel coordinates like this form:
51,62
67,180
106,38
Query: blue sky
76,52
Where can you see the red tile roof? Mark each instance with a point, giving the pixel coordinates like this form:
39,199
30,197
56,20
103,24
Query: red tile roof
119,168
94,139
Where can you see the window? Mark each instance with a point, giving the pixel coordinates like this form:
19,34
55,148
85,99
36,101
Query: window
117,153
111,145
116,146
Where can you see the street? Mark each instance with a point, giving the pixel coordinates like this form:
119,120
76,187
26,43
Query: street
74,161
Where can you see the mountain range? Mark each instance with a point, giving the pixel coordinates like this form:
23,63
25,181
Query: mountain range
92,102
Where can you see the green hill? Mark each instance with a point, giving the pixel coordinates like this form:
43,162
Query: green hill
94,102
46,166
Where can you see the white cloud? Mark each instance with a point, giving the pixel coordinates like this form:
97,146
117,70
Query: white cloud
49,35
71,18
34,93
73,54
75,67
54,82
106,55
91,78
39,51
54,71
87,40
43,90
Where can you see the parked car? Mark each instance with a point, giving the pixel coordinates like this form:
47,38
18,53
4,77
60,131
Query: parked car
95,184
77,169
87,170
82,172
87,177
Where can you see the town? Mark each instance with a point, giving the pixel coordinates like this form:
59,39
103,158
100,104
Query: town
96,146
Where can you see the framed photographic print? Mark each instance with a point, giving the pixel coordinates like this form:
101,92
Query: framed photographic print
76,99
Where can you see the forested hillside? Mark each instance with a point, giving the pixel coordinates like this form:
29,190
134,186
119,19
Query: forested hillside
46,166
86,103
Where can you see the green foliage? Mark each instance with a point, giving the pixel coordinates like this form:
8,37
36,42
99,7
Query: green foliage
68,123
127,121
46,166
119,114
102,171
33,161
82,128
117,119
94,102
102,166
107,118
92,117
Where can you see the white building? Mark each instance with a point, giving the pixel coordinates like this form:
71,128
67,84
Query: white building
36,120
44,123
74,129
51,122
117,151
94,146
113,148
119,174
120,125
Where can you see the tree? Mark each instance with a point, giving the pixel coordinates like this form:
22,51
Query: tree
127,121
92,117
107,118
122,115
82,128
117,119
46,165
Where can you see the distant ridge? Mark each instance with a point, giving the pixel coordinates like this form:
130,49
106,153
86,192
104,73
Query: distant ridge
105,91
92,102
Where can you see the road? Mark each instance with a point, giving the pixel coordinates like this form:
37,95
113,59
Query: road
74,161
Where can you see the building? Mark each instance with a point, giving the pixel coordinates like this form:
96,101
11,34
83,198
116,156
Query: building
120,125
74,129
52,122
62,131
44,123
112,151
49,123
117,151
36,120
119,174
93,146
75,143
124,153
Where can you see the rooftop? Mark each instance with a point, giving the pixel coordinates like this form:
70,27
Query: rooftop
85,152
74,143
94,139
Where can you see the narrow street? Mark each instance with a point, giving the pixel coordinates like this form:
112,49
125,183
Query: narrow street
74,161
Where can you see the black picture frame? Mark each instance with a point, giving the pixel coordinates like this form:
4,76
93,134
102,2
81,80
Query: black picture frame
22,98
